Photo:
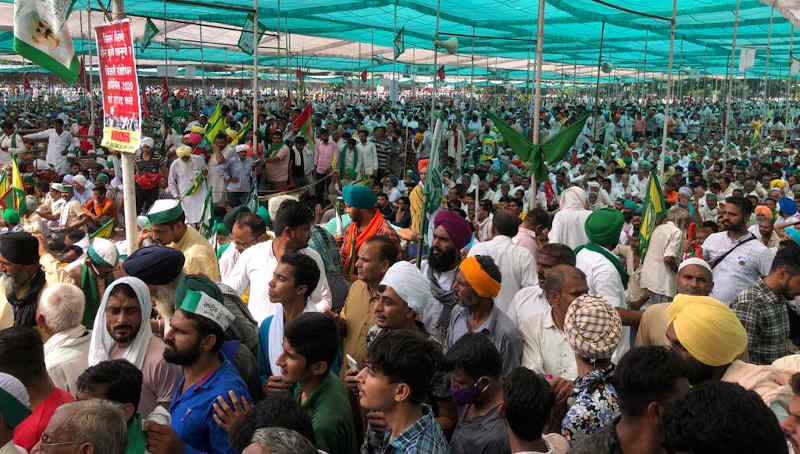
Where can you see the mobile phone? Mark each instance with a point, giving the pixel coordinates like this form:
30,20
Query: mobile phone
352,362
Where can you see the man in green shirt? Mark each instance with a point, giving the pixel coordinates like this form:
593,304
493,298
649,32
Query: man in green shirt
310,346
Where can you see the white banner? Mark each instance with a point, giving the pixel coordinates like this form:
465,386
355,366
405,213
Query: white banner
747,57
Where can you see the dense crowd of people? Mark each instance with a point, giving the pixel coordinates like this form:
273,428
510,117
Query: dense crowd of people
301,293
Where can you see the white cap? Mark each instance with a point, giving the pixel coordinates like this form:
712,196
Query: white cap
694,261
410,285
79,179
103,252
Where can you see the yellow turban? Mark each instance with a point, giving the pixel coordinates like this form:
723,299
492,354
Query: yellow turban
183,150
231,133
707,329
197,129
777,183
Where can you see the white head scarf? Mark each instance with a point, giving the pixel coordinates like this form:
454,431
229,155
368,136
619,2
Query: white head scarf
102,342
573,198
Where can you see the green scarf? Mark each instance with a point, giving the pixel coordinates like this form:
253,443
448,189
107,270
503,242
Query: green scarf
274,149
222,249
351,172
137,442
623,275
92,295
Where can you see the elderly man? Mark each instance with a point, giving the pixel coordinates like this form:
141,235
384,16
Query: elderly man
546,350
694,278
187,182
168,222
122,330
16,406
517,265
66,341
477,284
709,337
25,269
95,426
367,221
531,300
93,272
194,344
451,233
662,257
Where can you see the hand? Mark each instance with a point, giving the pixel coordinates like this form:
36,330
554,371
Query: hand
350,380
42,244
561,387
274,385
162,439
377,421
229,417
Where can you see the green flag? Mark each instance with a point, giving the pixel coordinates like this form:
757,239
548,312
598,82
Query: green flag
206,220
655,208
252,198
549,152
197,185
215,124
246,38
150,30
41,35
399,42
433,181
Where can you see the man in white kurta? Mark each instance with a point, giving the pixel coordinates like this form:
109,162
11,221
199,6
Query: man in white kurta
10,143
66,348
182,174
569,220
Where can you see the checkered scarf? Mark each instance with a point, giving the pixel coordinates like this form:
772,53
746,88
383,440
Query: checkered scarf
593,327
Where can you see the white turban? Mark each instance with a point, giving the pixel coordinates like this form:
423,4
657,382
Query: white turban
694,261
242,147
275,203
147,141
410,285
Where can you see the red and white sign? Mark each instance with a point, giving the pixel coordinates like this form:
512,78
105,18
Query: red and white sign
122,119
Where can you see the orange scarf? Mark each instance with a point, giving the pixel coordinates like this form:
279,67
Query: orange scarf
353,240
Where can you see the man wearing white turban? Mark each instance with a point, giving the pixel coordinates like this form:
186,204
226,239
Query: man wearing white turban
569,220
182,174
122,330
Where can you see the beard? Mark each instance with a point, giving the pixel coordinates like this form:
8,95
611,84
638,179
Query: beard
442,261
12,283
123,338
181,357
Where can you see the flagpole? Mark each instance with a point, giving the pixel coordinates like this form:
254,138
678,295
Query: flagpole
395,86
435,63
669,91
371,56
255,77
278,45
789,80
730,81
597,86
89,73
538,102
766,64
202,57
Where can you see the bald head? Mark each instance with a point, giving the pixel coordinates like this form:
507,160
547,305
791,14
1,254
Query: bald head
694,280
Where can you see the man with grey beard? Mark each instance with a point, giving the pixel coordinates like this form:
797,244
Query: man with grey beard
25,269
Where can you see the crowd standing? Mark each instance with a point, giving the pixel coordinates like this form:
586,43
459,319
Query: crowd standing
342,312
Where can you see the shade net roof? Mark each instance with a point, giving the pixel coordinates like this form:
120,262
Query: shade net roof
496,37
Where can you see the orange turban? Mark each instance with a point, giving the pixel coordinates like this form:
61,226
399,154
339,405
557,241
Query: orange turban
422,165
478,279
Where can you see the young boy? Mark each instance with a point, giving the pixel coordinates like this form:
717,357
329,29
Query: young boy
310,346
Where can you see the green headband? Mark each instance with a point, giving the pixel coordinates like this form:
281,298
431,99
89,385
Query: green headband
97,259
163,217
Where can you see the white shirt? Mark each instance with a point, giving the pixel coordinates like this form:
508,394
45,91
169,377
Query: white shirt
545,348
741,268
666,241
528,302
568,228
604,280
516,264
6,141
369,154
66,356
254,269
56,144
227,261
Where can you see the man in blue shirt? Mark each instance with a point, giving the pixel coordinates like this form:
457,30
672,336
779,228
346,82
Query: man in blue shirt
194,343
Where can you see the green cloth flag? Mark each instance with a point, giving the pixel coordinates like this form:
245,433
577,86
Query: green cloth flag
41,35
91,295
246,38
252,198
303,122
14,195
105,230
207,218
197,185
549,152
399,42
655,208
150,30
215,124
433,180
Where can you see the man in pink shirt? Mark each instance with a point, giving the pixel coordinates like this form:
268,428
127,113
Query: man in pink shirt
324,152
535,220
276,165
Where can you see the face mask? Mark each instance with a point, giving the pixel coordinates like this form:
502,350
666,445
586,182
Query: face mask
467,396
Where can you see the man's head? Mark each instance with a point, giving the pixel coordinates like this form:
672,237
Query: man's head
360,201
375,257
694,277
791,423
604,226
404,293
735,214
60,308
123,312
99,194
474,365
116,380
89,426
292,224
400,365
705,333
22,354
277,440
562,285
277,411
19,260
550,255
505,222
310,344
527,402
451,233
784,277
719,417
294,279
167,221
248,230
478,280
220,141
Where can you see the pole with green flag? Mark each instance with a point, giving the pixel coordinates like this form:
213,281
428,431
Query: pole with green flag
432,188
654,209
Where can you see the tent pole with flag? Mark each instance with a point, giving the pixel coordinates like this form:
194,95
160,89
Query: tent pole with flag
729,94
793,64
207,218
654,209
432,189
435,61
252,198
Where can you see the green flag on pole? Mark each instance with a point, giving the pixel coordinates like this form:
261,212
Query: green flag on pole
252,198
41,35
150,30
207,218
399,42
246,38
654,209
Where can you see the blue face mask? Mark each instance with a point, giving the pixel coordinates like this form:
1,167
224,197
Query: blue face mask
468,395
